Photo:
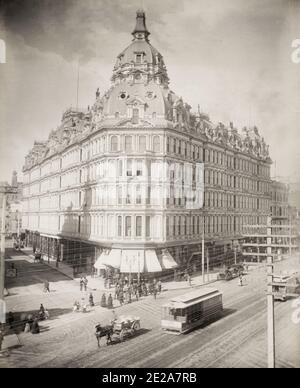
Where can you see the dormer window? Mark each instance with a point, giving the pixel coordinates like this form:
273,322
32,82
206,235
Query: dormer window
139,58
135,116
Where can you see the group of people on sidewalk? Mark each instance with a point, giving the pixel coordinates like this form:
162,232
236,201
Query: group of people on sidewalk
126,290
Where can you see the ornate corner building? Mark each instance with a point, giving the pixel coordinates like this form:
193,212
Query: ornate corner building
110,180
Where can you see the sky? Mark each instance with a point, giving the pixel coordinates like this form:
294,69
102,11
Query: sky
232,57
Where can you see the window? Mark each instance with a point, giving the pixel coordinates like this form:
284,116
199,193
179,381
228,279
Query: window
129,168
138,226
135,116
148,220
128,143
119,226
168,227
120,167
138,198
120,194
114,144
139,168
128,226
139,58
154,115
156,144
148,199
142,143
128,196
117,115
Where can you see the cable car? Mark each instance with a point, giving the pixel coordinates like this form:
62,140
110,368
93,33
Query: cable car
186,312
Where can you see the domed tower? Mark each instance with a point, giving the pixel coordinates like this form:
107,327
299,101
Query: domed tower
140,62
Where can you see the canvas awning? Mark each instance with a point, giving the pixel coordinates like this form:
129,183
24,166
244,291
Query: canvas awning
112,259
98,264
167,260
152,262
132,261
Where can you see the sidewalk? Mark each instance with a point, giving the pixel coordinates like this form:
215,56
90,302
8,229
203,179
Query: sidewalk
97,283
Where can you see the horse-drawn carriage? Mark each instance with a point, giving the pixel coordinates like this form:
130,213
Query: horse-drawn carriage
120,327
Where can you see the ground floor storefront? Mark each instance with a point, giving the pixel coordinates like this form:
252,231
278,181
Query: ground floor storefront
89,258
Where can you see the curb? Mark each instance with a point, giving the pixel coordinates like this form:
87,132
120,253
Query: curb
190,287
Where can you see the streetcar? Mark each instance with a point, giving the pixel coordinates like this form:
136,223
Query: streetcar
186,312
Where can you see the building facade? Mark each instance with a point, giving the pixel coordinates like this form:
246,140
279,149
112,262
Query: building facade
283,226
137,179
13,209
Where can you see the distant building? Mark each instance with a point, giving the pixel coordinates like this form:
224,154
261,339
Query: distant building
285,239
13,204
132,182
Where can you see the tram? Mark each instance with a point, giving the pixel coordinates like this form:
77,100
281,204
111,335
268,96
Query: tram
186,312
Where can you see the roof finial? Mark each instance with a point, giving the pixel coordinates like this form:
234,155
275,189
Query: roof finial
140,31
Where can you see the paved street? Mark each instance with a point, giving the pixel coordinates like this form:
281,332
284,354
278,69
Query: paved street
238,339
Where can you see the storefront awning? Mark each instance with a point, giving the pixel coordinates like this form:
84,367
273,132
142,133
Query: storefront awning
112,259
98,264
132,261
152,263
167,260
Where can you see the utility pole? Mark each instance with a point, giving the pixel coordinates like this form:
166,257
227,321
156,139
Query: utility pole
290,235
18,224
270,298
2,259
203,267
207,263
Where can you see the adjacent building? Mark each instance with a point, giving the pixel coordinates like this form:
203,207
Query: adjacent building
283,226
136,180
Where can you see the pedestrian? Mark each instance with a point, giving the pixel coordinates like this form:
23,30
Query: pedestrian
81,283
241,280
10,319
121,297
42,312
189,279
103,301
159,286
76,306
110,302
85,283
46,286
91,300
27,327
1,338
154,291
35,329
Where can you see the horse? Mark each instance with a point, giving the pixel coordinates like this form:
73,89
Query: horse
104,331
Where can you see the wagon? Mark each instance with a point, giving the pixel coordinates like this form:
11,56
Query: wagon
126,326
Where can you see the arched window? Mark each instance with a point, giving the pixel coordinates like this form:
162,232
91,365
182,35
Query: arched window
114,144
156,144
